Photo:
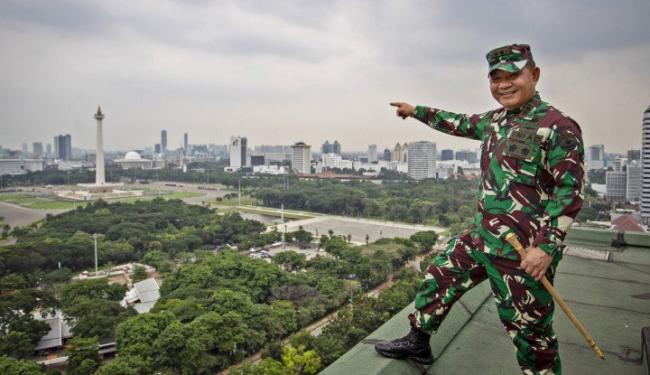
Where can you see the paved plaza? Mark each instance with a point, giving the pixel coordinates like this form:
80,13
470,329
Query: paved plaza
357,228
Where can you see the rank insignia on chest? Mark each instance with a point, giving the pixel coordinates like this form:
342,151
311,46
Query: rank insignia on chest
520,150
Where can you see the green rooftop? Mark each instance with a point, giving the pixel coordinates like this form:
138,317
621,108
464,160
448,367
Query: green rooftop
611,298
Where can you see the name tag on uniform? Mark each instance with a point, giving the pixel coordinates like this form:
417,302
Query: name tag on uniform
523,142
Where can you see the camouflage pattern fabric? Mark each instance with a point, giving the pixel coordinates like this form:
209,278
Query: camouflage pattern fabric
532,173
511,58
525,308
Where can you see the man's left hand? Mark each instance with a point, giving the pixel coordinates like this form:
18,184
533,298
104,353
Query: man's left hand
535,262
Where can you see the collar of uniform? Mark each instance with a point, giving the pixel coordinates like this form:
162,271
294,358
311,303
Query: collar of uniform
524,109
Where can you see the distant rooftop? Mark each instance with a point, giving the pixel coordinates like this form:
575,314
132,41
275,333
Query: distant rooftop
611,298
59,330
143,296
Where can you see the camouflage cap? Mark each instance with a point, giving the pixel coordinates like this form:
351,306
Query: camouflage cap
511,58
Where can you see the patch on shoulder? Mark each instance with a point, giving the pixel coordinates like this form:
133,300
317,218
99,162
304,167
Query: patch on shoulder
567,141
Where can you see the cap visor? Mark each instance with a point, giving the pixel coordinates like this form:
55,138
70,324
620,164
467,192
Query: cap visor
510,67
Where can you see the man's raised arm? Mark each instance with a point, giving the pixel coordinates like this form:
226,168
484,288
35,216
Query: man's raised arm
457,124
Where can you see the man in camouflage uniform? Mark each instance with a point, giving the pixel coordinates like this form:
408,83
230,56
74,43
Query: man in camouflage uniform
531,184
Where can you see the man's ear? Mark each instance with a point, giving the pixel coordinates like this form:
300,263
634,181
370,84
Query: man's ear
536,73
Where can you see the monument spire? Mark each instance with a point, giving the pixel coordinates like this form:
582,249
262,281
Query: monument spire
99,162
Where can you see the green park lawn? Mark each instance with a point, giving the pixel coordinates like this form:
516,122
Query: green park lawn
40,203
254,206
51,203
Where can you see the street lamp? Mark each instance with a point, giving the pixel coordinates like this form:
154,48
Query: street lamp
284,235
95,237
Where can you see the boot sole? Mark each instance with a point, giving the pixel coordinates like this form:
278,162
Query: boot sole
420,360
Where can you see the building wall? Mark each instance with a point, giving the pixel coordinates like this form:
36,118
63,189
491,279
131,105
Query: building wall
326,148
595,157
63,147
467,155
421,160
336,147
301,158
446,155
257,160
633,184
645,165
238,150
400,153
163,140
372,153
38,149
616,182
20,166
130,164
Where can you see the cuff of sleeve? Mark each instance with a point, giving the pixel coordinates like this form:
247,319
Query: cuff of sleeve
548,244
420,111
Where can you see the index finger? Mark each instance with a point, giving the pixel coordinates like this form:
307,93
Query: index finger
396,104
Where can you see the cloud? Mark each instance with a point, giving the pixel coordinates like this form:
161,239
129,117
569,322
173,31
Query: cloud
284,70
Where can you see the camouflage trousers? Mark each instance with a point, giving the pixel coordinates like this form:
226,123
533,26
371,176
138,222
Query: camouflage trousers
524,306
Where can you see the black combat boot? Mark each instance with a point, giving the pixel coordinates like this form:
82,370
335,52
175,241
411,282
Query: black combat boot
414,346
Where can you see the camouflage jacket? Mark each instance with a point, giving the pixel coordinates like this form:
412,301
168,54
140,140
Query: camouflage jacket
532,172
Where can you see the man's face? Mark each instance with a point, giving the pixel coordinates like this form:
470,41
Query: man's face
512,90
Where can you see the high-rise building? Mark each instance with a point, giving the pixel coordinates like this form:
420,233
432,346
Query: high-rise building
63,147
326,148
48,150
616,186
396,152
633,184
372,153
301,158
257,160
446,154
37,148
336,147
645,165
618,164
595,157
157,149
238,148
273,153
467,155
387,155
163,140
633,155
421,160
185,143
400,153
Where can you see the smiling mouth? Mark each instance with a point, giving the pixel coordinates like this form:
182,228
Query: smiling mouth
508,93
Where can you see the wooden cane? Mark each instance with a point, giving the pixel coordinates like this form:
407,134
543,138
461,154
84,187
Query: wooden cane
512,239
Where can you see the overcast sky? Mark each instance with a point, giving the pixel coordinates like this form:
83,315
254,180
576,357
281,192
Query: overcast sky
284,71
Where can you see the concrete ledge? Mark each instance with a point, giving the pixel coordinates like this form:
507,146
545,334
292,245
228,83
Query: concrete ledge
362,358
645,350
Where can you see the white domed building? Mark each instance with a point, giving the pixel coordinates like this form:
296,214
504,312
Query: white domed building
133,160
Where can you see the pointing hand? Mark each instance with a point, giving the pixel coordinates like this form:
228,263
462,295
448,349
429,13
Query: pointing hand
404,110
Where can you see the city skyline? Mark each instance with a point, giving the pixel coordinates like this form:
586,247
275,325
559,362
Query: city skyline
285,72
